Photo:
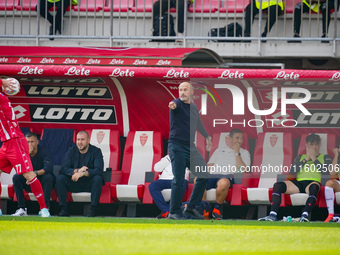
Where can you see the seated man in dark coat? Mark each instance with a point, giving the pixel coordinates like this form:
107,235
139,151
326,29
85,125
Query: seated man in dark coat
81,172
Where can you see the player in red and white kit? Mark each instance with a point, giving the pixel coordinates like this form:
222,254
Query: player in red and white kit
14,150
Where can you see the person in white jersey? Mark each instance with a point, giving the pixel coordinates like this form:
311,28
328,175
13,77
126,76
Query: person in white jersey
164,182
231,158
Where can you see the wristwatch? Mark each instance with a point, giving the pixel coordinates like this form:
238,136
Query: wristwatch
237,154
36,172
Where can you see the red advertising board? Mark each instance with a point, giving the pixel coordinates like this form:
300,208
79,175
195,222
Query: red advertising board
136,98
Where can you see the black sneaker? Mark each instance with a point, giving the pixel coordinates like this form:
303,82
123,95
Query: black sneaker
194,213
51,33
64,213
324,36
303,219
216,214
295,36
162,215
174,216
264,34
246,41
91,213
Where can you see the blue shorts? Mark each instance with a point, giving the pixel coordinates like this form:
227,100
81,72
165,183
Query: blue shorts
212,182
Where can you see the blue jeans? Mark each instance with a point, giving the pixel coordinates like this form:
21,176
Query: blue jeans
181,158
156,188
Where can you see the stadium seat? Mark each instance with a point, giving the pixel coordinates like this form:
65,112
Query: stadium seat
25,130
7,5
207,6
26,5
142,150
7,189
109,143
234,6
30,5
119,5
290,5
271,150
6,182
58,141
143,6
90,5
328,143
146,6
221,140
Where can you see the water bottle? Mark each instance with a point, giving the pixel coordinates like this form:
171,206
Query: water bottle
289,218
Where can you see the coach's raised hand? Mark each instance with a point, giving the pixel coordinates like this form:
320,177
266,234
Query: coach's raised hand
172,105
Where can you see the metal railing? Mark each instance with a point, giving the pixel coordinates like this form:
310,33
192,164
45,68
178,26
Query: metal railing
127,20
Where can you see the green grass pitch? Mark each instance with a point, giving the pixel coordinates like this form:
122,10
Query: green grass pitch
78,235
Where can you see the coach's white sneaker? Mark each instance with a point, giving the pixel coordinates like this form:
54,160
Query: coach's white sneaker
44,213
20,212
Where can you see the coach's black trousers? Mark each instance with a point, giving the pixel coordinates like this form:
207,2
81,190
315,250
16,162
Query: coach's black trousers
94,185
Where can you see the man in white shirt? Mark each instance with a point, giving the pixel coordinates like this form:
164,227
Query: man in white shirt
225,161
164,182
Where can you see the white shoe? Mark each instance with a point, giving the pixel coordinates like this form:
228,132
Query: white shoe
20,212
180,35
44,213
39,213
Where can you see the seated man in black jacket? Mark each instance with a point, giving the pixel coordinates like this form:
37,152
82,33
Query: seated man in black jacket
43,168
81,172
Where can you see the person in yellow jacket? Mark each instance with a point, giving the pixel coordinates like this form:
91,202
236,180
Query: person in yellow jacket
325,6
308,169
61,5
274,9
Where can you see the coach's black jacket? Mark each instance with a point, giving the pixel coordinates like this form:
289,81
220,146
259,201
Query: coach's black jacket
93,160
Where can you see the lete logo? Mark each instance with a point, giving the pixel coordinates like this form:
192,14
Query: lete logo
27,70
335,77
75,71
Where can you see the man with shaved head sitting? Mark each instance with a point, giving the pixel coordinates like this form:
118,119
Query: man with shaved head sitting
81,172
